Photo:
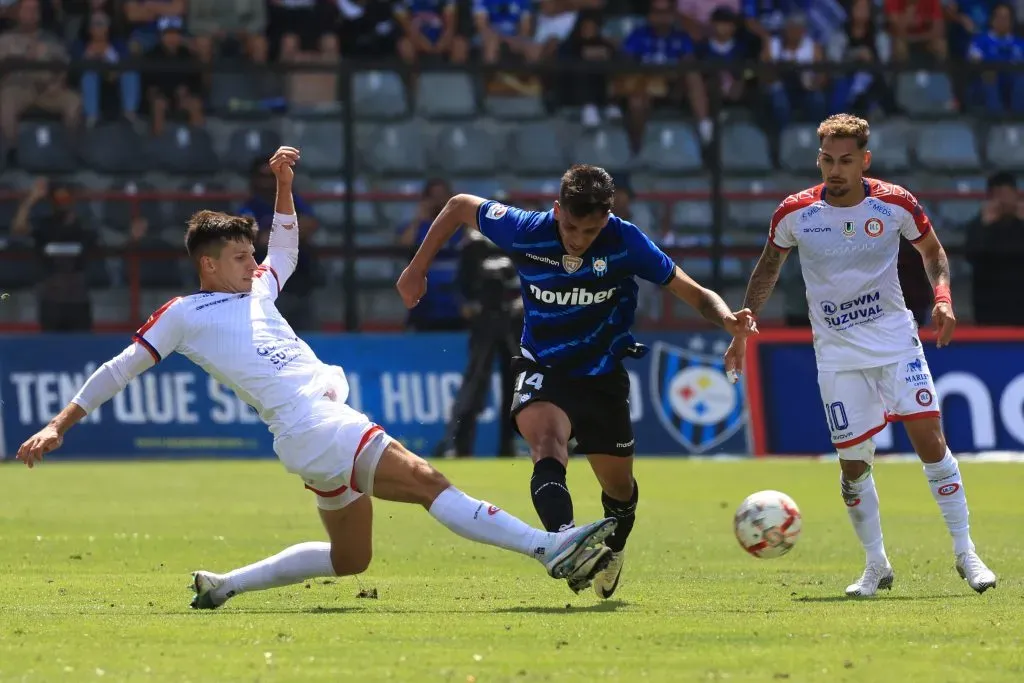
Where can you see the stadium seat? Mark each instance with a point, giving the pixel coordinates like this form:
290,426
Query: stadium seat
45,147
744,149
322,143
798,148
397,214
924,93
647,216
398,150
247,144
18,267
182,209
753,215
691,215
465,150
489,188
952,215
115,148
183,149
670,147
890,147
232,93
445,95
1005,147
947,146
331,212
515,108
118,213
537,148
604,147
378,95
379,270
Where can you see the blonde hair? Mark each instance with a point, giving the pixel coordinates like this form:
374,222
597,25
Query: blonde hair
845,126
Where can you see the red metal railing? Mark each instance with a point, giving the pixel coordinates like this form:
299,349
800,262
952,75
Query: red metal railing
134,258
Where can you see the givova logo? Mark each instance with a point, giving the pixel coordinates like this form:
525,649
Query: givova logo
576,297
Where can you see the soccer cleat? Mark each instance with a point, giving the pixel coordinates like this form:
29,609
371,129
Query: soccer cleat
587,567
607,579
204,584
970,567
875,577
561,558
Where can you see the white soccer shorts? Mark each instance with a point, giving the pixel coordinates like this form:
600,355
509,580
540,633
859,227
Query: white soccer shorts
859,403
324,448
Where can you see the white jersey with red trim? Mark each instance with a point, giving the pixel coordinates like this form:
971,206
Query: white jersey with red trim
848,258
245,343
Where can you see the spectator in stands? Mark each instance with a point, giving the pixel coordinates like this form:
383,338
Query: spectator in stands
173,92
63,244
661,42
430,30
789,90
98,88
51,13
862,42
305,32
143,17
296,300
1000,44
439,309
21,91
964,20
243,22
367,29
726,44
590,90
696,15
557,20
766,18
918,29
505,30
995,249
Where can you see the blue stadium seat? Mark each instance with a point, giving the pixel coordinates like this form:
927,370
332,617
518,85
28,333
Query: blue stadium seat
249,143
489,188
45,147
536,148
753,215
182,209
604,147
947,146
465,150
115,148
890,148
378,95
514,107
322,144
798,148
397,214
745,149
952,215
670,147
118,214
185,150
1004,147
20,271
331,212
691,216
232,94
445,95
924,93
398,150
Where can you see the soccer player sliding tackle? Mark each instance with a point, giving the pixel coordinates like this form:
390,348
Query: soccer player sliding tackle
577,264
871,367
232,329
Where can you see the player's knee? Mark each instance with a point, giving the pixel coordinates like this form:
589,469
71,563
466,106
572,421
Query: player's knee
428,481
550,444
350,561
855,460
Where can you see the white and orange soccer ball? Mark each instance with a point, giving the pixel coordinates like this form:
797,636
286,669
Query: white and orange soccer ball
767,524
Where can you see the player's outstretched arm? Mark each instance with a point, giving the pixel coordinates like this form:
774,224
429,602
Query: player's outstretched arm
936,265
109,379
710,305
759,289
460,210
283,245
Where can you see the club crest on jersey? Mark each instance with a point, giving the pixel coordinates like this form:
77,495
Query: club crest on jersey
874,227
496,211
848,229
600,266
571,263
693,398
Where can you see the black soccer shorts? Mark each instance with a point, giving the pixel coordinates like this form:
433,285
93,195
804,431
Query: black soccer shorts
597,406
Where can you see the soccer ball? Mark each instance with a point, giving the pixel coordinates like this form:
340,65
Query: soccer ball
767,524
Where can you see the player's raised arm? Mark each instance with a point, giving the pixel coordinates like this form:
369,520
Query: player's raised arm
283,245
460,210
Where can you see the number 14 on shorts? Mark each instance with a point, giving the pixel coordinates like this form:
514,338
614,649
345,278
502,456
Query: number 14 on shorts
529,379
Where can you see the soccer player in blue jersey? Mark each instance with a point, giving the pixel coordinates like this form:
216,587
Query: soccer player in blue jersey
577,264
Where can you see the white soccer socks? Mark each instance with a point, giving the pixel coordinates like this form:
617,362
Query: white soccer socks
482,522
861,500
948,490
292,565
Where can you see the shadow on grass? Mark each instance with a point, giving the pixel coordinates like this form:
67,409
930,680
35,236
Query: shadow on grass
880,598
605,606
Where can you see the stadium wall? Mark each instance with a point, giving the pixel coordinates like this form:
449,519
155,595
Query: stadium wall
681,402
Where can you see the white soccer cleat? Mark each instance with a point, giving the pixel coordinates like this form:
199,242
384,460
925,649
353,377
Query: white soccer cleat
587,566
204,584
561,557
875,577
607,580
970,567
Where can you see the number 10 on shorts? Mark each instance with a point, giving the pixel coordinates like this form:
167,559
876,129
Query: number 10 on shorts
836,415
535,380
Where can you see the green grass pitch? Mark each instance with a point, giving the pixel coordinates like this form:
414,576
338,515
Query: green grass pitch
95,559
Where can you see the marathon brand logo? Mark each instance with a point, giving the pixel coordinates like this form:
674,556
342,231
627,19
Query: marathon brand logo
577,297
543,259
853,312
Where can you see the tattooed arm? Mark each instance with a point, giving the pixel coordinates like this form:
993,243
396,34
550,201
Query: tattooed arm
937,266
763,279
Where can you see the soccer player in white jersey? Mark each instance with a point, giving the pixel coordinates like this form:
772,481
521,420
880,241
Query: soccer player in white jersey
871,367
231,328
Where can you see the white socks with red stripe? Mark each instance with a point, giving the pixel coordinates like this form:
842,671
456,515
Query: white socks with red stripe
482,522
292,565
948,490
861,500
